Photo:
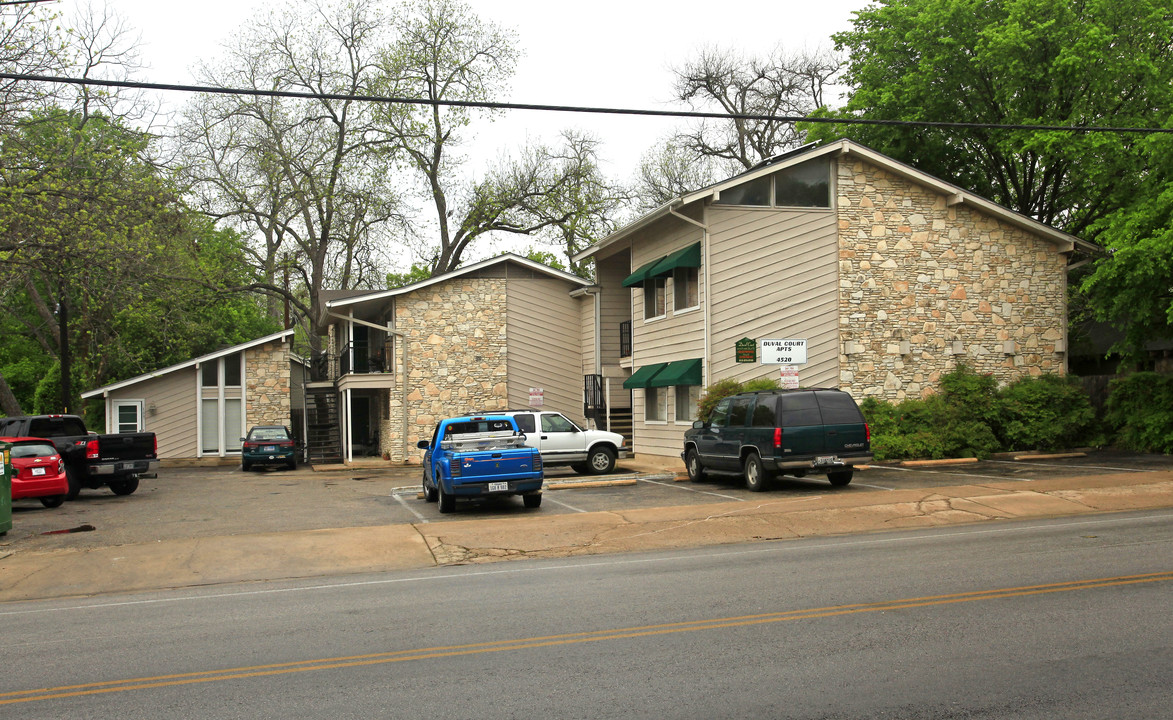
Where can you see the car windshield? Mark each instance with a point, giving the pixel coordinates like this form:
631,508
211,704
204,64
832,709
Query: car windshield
30,450
268,434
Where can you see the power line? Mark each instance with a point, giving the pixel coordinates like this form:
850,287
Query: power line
487,105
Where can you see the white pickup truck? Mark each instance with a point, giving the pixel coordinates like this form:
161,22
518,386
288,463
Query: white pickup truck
561,442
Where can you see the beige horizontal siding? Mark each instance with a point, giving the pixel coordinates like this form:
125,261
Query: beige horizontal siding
775,275
174,421
544,344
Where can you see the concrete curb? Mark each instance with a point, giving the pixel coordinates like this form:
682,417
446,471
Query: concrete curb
340,551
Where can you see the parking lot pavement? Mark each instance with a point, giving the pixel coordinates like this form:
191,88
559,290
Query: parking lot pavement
206,502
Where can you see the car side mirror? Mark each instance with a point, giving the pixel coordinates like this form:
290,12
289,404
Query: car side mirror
243,439
422,444
697,424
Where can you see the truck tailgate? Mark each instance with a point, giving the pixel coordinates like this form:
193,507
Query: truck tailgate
126,446
482,467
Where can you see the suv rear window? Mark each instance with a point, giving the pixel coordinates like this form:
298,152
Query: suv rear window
765,411
799,409
838,408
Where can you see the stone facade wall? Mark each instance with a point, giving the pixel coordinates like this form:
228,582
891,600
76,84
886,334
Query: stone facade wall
455,333
267,385
916,274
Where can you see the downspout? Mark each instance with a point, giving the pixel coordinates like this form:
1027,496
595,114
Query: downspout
708,312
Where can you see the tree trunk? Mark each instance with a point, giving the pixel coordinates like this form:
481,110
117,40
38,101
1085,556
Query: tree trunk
8,402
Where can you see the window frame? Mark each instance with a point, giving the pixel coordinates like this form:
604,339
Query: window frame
773,203
659,291
661,395
690,402
694,282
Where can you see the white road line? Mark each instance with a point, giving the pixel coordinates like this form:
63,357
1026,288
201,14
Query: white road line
878,487
685,487
399,499
961,474
547,499
1067,467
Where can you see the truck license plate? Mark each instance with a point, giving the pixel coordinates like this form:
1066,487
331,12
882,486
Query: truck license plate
826,460
498,487
38,471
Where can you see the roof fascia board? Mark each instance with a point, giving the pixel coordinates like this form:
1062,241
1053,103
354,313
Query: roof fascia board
395,292
280,335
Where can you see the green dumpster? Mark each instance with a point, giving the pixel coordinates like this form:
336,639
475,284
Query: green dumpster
6,489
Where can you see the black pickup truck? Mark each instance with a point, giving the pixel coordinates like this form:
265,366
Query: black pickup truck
91,460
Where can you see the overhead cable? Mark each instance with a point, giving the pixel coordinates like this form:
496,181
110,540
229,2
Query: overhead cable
488,105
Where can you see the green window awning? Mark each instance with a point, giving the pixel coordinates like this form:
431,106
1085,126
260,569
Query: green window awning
680,372
685,257
642,377
638,277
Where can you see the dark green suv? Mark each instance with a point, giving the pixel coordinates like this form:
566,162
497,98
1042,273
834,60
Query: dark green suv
760,434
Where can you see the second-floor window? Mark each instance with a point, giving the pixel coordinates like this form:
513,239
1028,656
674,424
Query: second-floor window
654,289
685,288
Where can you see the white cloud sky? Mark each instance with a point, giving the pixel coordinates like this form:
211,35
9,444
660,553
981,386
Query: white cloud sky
607,53
614,53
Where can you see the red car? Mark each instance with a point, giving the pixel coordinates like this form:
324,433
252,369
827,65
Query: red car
37,471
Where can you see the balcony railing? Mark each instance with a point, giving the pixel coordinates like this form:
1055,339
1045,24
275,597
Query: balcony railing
361,359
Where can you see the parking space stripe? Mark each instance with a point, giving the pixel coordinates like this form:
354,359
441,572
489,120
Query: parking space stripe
685,487
955,474
1066,467
547,499
399,499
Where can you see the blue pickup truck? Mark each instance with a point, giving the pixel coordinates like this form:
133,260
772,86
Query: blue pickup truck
477,456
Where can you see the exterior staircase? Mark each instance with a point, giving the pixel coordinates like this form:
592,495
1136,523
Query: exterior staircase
324,440
620,420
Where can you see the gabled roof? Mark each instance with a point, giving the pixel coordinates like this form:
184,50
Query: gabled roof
341,302
956,195
281,336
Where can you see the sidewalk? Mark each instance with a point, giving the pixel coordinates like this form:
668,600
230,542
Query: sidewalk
328,552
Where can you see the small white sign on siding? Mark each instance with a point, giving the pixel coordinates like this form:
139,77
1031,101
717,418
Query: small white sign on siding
789,377
536,397
790,351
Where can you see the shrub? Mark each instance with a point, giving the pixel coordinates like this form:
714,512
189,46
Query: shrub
1140,411
1045,413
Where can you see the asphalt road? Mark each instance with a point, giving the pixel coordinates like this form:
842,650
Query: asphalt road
1065,618
200,502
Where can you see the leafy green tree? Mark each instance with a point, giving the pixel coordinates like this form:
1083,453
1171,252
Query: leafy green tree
101,265
417,273
1131,288
1093,63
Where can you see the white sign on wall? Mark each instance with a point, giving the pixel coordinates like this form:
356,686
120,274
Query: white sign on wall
789,377
536,397
784,352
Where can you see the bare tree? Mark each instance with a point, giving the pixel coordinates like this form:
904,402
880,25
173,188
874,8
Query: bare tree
304,179
446,53
668,171
780,84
